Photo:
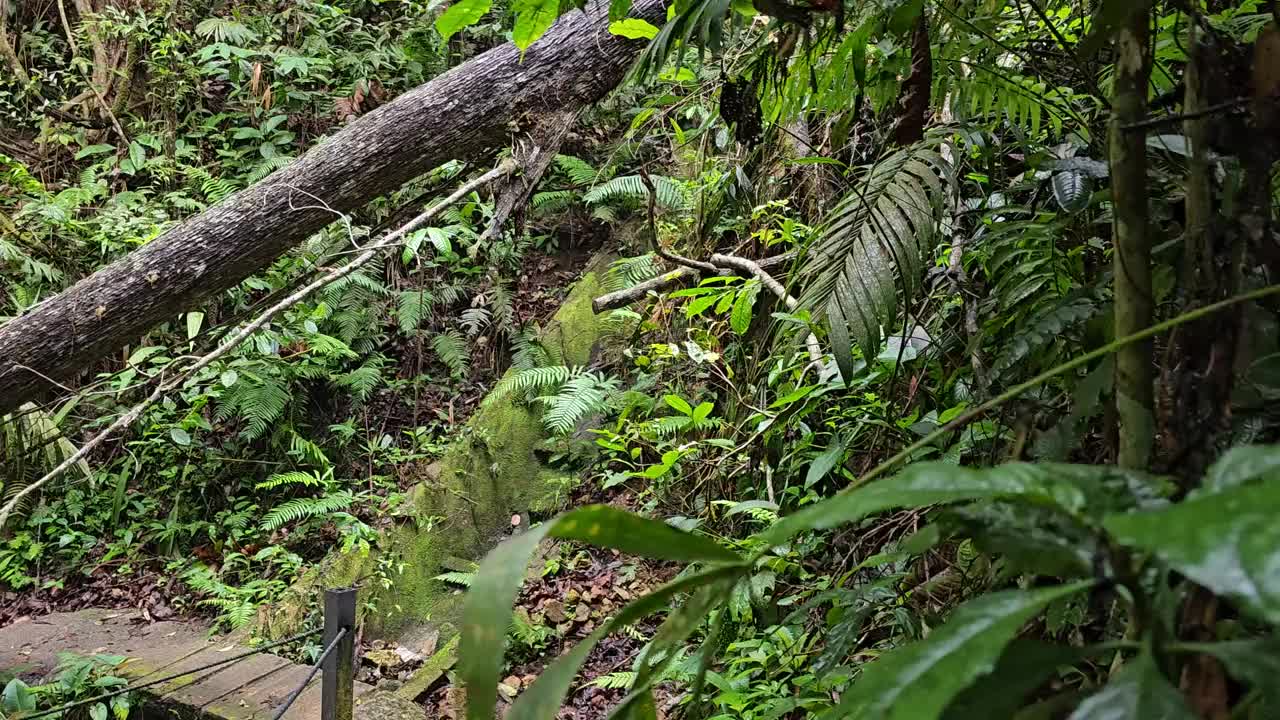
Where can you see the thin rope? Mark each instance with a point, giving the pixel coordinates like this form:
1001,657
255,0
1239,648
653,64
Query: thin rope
174,676
314,669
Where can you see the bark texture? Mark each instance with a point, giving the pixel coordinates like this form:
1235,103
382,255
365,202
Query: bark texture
462,113
1133,300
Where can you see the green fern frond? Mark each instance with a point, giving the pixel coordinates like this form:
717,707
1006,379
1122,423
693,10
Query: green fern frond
883,229
302,508
630,271
536,379
411,307
475,319
630,189
620,680
457,578
293,477
549,201
578,398
362,380
268,166
579,171
452,350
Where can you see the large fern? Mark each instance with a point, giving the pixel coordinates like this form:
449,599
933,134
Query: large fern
525,382
668,193
880,231
580,397
452,350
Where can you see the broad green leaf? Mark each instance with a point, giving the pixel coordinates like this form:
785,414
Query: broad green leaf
932,483
94,150
488,614
137,155
1024,666
98,711
229,377
18,697
533,18
824,463
1241,465
180,436
678,403
1137,692
545,696
1229,542
194,321
139,356
633,29
460,15
493,591
919,681
740,320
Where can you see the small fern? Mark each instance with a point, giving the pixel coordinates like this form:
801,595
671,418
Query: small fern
457,578
303,508
579,171
525,382
293,477
452,350
411,307
620,680
258,400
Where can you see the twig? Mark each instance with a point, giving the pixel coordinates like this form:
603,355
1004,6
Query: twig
371,251
775,287
1150,123
681,276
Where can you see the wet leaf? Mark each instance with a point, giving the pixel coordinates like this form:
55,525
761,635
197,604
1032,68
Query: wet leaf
1137,692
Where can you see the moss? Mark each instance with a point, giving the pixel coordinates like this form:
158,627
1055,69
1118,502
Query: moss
431,671
465,505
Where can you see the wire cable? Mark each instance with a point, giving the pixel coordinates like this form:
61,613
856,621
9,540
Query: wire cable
174,676
314,669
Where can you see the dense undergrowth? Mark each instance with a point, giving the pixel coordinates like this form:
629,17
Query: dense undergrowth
884,525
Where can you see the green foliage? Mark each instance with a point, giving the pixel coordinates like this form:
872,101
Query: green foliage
630,190
878,237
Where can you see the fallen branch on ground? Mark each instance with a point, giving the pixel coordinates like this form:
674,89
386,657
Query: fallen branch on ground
369,252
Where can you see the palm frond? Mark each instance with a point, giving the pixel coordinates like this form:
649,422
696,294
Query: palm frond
882,231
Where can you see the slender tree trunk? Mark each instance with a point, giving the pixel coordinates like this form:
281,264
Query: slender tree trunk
460,114
1132,254
7,49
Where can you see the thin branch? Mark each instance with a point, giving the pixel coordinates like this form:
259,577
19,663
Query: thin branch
682,276
371,251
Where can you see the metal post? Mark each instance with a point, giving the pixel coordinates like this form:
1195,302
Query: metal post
337,689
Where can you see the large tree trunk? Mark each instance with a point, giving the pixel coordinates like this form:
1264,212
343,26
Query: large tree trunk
456,115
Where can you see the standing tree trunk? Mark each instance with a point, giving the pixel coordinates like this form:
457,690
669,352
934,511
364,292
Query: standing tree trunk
457,115
7,51
1132,255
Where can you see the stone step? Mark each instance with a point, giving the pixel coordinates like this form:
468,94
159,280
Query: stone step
248,689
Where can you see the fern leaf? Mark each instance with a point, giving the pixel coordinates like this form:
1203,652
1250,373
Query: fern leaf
411,307
293,477
451,348
668,193
535,379
302,508
579,171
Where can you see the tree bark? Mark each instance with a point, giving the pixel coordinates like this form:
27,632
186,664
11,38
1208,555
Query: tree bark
1132,257
457,115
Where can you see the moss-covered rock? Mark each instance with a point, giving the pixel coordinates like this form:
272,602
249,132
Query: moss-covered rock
464,504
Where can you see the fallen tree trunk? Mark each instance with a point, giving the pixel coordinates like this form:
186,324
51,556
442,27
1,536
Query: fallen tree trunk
457,115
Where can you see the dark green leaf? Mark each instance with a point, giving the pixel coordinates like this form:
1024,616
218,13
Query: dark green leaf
609,527
1137,692
1228,542
740,319
825,462
925,484
1024,666
919,681
533,18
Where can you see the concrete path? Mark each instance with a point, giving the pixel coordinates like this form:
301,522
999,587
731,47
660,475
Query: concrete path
246,690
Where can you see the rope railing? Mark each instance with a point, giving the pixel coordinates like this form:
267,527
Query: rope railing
168,678
336,660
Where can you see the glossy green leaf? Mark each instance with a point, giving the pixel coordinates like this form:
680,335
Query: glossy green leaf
923,484
180,436
919,681
1137,692
1229,542
1241,465
461,14
1024,666
633,29
94,150
825,462
17,697
493,591
740,319
544,697
533,18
